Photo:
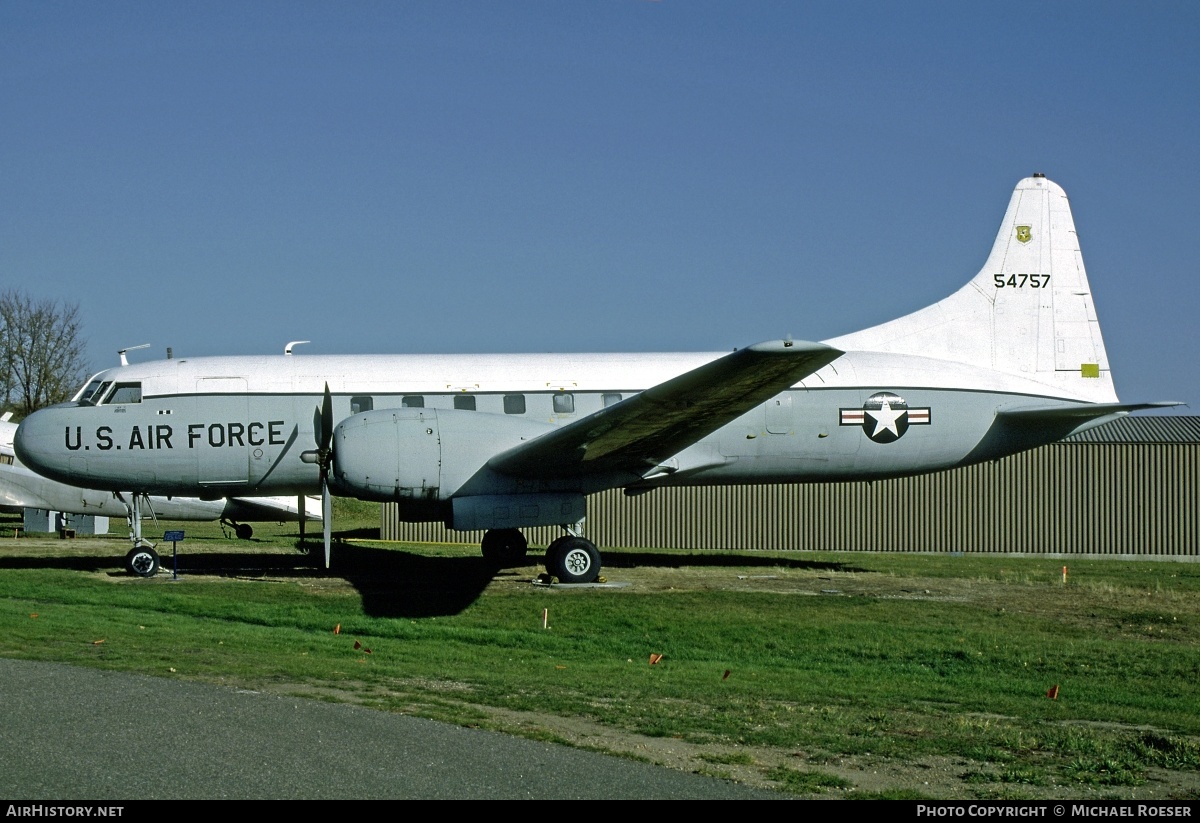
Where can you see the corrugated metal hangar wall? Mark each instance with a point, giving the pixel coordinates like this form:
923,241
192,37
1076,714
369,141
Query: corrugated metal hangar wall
1128,488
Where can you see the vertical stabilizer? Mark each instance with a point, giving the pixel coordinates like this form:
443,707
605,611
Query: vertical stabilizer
1029,311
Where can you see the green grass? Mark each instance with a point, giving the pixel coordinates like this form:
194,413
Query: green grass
799,781
910,657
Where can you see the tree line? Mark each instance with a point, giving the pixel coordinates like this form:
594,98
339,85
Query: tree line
41,352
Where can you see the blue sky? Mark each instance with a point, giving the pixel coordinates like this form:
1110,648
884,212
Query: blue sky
222,178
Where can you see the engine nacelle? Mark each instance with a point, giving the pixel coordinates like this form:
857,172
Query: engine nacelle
420,454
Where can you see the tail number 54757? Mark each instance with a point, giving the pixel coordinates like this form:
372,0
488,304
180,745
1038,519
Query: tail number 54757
1020,281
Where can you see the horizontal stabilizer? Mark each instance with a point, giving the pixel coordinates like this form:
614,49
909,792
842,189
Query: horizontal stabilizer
1065,419
1028,427
646,429
1080,411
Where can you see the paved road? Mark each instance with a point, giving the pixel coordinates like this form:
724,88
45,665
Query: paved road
69,733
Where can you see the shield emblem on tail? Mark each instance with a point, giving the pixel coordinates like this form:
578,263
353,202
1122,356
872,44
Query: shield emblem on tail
1024,233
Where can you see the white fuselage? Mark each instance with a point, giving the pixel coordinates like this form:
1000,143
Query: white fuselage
237,426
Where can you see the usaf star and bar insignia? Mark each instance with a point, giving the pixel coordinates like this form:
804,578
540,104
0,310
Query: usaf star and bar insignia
885,417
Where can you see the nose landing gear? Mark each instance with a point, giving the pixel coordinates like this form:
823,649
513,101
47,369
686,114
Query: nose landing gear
142,560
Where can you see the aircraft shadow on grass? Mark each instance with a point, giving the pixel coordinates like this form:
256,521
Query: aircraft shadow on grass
394,582
391,583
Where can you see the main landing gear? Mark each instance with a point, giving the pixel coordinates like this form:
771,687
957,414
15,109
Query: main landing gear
504,547
571,558
245,531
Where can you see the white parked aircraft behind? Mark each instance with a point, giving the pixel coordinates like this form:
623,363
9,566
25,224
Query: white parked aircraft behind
1012,360
20,487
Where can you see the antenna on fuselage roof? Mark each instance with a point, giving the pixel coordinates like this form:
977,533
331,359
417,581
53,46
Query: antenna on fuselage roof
121,352
288,348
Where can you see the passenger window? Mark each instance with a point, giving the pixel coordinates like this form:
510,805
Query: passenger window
610,399
126,393
359,405
413,401
564,403
514,404
466,402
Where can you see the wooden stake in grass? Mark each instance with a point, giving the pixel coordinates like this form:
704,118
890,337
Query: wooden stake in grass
1052,692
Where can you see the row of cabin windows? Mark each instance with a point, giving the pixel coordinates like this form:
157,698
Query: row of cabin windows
563,402
105,393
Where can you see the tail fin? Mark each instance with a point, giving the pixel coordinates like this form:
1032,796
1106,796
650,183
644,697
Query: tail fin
1028,312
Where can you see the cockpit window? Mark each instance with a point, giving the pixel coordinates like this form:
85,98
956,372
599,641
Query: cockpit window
125,393
93,391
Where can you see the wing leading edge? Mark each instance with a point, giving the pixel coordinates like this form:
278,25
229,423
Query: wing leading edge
643,431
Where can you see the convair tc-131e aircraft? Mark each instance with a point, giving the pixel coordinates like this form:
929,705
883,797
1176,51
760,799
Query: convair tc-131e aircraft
1012,360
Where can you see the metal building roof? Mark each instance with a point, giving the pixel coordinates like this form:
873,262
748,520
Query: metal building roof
1150,428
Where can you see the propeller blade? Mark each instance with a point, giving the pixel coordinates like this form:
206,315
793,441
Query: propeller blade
326,421
326,517
323,457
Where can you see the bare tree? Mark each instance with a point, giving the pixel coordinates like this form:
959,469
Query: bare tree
41,352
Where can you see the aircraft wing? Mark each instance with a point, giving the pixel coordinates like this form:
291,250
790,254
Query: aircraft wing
271,509
640,432
15,492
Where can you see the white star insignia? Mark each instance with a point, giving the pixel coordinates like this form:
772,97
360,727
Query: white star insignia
885,418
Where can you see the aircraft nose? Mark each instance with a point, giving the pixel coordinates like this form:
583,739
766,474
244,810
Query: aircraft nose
32,438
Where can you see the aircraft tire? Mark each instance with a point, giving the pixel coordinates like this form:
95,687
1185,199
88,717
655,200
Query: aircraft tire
142,561
504,547
244,531
573,560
